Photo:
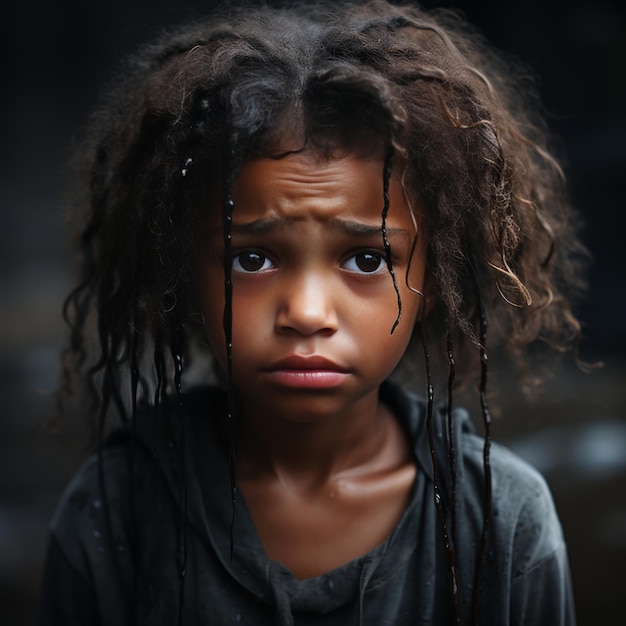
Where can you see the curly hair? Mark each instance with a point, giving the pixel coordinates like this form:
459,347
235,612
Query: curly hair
191,107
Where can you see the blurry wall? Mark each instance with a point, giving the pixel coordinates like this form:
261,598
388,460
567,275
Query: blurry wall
55,57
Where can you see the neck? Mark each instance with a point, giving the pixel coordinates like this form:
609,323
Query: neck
310,452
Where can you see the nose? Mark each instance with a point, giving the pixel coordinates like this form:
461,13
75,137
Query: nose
307,307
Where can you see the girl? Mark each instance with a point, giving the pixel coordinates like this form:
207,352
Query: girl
278,206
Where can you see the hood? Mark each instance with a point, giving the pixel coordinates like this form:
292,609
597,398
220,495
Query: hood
207,498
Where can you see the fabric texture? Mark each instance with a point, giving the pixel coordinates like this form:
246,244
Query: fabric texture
118,545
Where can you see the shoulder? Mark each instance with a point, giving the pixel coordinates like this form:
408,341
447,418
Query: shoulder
88,561
97,500
510,474
82,494
79,525
524,522
523,515
524,567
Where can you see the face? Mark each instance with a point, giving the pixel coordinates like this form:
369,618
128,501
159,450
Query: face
313,300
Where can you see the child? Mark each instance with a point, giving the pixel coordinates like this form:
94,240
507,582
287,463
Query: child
287,202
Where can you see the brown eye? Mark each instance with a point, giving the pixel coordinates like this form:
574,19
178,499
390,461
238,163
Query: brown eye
365,263
250,262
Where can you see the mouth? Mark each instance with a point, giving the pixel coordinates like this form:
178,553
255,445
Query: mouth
311,363
306,372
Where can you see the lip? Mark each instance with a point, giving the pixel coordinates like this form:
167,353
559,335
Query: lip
304,363
306,372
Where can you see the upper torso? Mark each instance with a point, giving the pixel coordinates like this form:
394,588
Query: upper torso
405,579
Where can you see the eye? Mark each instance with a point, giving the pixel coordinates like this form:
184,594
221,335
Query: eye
365,263
250,262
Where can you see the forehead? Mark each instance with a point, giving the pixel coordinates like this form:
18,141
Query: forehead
310,186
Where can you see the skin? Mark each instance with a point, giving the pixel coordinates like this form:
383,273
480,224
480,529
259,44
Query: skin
324,467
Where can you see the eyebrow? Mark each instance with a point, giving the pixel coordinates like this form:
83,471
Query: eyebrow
350,227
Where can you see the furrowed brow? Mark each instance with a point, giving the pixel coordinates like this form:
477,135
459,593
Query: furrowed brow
350,227
258,227
360,229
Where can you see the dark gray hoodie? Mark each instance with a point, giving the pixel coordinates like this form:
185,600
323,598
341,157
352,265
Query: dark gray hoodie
108,566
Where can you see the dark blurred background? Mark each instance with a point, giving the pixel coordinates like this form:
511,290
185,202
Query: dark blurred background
55,57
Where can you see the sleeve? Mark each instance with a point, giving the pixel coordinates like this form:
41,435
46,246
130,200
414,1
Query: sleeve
84,575
526,578
543,595
66,598
541,589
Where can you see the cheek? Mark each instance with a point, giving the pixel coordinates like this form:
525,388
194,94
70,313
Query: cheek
249,318
411,306
375,326
248,321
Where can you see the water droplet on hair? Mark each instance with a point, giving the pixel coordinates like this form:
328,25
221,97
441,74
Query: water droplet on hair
188,162
97,504
96,533
239,617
